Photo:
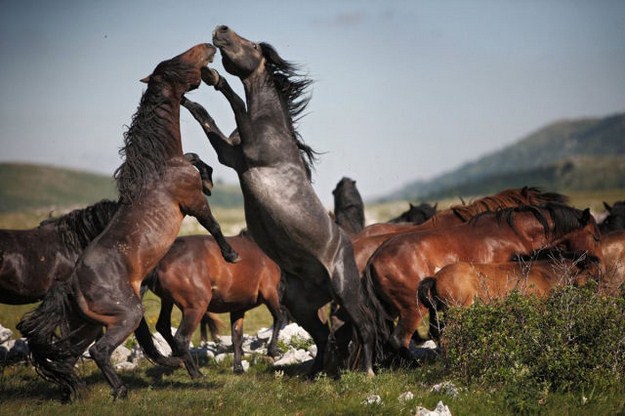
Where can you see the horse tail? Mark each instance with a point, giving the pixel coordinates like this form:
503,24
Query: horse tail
213,323
53,356
428,296
146,342
381,319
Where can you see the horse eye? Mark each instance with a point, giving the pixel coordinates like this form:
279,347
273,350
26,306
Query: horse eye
255,46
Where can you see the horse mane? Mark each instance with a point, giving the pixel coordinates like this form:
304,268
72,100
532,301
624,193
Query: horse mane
291,86
507,198
80,226
146,145
564,217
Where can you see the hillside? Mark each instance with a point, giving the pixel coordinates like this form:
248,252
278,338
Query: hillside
566,155
28,186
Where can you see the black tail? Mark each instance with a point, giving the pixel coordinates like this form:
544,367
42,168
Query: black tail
146,342
381,319
52,355
428,296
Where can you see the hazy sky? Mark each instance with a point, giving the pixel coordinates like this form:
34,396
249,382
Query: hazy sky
403,90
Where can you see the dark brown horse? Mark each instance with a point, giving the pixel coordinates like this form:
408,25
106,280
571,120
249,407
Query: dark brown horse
33,260
615,219
416,214
367,241
461,284
194,276
349,210
284,215
398,266
157,188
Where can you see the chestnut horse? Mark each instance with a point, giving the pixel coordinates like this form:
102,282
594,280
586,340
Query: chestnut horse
157,188
349,210
460,284
32,260
194,277
367,241
283,213
612,281
398,266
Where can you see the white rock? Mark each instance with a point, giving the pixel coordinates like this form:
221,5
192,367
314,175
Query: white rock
293,356
440,410
5,334
373,399
406,396
120,355
293,330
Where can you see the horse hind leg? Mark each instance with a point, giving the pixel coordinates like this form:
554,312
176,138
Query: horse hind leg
273,304
191,317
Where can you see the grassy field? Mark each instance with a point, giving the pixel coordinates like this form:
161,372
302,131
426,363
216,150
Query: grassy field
263,390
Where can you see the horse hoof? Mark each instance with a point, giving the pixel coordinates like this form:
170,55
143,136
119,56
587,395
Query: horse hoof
232,257
121,393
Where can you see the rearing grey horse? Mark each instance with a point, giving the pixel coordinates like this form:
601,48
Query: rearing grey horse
283,213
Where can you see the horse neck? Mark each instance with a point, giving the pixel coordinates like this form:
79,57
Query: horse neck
263,99
168,112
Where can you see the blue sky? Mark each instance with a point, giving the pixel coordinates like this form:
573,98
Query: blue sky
403,90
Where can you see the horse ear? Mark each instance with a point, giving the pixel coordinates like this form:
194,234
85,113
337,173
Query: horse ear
607,206
435,206
586,216
411,206
146,80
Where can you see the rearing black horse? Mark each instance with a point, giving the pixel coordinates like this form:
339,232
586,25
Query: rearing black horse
157,187
283,213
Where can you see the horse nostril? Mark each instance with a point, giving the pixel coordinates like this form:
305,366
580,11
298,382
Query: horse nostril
223,28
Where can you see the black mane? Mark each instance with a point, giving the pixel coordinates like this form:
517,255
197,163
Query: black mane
80,226
565,218
146,145
292,86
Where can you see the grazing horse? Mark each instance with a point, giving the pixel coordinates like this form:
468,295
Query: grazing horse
460,284
615,219
612,282
284,215
157,187
416,214
33,260
349,210
398,266
367,241
194,277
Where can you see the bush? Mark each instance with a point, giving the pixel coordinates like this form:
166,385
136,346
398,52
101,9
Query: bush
571,341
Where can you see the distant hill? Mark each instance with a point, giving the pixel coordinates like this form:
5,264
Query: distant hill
567,155
29,186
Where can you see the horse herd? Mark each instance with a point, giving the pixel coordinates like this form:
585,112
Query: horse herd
91,267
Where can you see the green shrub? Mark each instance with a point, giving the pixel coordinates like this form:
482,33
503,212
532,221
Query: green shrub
571,341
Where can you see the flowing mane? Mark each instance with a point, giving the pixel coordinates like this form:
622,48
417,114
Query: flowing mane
80,226
146,147
564,218
292,86
508,198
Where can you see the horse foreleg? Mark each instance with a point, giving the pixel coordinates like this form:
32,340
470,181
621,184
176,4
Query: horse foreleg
236,326
205,217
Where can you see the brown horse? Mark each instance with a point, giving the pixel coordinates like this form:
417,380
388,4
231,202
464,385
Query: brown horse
612,281
194,276
461,284
157,188
32,260
367,241
283,213
397,267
